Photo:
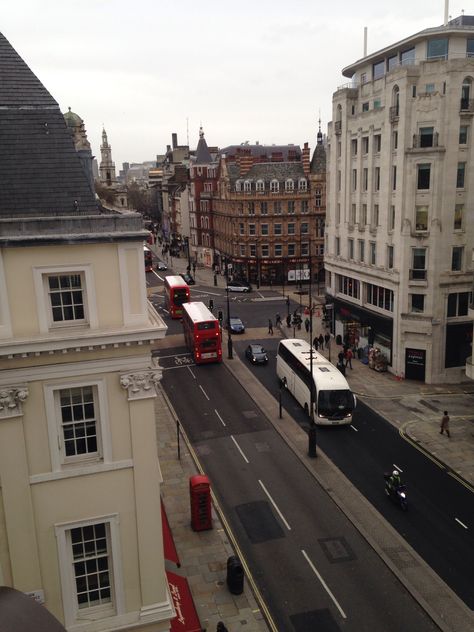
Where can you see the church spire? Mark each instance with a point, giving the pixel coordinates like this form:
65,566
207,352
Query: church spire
320,134
201,132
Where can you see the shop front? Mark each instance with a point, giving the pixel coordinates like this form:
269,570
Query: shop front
361,328
266,271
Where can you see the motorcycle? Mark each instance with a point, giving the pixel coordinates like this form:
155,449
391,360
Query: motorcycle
398,495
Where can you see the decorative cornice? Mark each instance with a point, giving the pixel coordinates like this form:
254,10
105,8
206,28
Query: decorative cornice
11,399
141,385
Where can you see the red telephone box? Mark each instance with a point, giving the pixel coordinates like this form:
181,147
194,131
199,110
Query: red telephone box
200,493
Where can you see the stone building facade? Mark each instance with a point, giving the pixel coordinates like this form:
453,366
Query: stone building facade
399,231
80,515
265,215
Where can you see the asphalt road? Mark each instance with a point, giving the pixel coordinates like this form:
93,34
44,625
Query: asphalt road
312,566
439,506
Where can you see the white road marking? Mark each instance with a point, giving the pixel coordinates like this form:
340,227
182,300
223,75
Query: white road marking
240,449
189,369
157,275
175,355
354,428
325,586
204,392
206,292
461,523
222,421
275,506
398,468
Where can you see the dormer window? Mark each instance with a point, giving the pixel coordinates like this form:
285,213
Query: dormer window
274,186
247,186
260,186
238,186
302,184
289,185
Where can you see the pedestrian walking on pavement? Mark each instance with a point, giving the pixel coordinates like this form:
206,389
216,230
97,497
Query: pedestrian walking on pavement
270,326
444,427
321,341
306,324
327,338
348,357
288,320
278,320
316,342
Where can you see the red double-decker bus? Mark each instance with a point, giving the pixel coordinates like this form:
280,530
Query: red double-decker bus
202,333
176,294
148,257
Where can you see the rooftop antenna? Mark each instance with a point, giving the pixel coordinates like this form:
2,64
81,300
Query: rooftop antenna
446,12
365,40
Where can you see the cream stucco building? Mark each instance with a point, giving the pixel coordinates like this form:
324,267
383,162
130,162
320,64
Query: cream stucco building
400,230
80,518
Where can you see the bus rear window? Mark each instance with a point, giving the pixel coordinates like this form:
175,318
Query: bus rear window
211,324
180,296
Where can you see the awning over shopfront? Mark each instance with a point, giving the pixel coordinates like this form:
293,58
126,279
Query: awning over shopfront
186,619
169,546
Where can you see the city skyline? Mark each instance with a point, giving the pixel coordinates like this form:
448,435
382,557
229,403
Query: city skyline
144,72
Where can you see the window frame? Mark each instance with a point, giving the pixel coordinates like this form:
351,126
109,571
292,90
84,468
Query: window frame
73,615
417,310
59,462
457,253
40,281
423,168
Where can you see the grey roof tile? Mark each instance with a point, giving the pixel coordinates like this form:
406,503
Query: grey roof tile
40,170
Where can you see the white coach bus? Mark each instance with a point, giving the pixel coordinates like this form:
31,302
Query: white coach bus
333,399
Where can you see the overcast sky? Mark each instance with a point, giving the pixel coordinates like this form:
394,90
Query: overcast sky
248,70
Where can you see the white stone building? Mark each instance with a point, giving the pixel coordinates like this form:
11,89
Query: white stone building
400,230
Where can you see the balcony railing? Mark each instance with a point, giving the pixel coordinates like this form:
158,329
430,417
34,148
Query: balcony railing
417,275
467,105
421,141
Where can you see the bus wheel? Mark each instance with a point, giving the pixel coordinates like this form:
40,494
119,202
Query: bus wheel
306,409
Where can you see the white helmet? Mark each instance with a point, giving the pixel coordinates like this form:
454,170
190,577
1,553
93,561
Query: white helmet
395,473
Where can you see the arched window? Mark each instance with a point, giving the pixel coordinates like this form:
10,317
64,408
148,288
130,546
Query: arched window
274,186
302,184
238,186
466,93
260,186
247,186
289,185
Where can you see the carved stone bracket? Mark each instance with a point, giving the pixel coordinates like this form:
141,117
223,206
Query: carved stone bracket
140,384
11,399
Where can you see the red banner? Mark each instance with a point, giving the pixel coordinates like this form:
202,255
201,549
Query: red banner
186,619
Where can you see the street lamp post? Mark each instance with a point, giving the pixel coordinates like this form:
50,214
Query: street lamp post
229,335
312,427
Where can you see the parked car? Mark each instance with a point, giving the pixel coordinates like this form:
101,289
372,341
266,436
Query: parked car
161,265
236,326
239,286
188,279
256,354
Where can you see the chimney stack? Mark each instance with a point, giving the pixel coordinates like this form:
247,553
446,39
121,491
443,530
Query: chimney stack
174,139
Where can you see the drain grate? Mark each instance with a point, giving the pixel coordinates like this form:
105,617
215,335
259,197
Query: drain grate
337,550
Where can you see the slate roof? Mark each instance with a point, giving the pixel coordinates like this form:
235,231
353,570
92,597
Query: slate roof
259,151
40,170
318,161
268,171
203,155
